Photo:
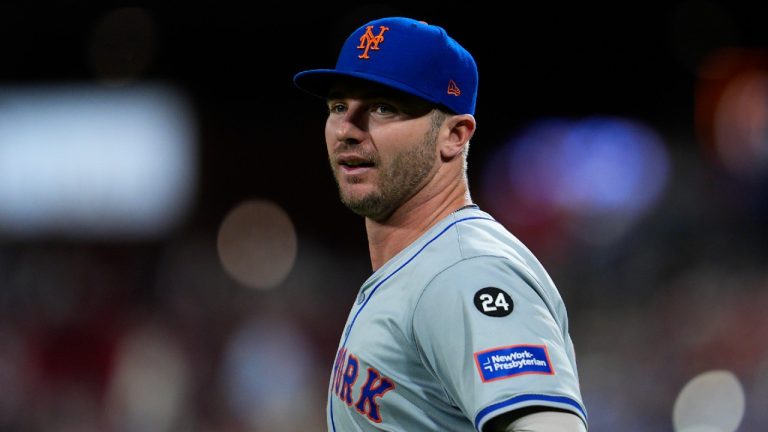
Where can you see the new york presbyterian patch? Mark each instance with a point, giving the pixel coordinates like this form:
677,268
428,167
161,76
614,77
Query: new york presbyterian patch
510,361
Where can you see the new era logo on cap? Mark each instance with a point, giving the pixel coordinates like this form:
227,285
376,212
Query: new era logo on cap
453,89
408,55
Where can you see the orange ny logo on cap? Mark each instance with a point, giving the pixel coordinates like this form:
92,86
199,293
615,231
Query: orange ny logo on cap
369,41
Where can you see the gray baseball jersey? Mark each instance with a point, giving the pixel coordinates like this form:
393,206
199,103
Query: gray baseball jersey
461,326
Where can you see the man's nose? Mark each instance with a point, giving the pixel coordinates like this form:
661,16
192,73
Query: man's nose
351,128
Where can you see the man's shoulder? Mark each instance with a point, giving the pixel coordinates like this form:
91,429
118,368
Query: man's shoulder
479,234
464,237
468,236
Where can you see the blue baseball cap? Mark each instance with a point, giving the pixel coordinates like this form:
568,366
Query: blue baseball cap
405,54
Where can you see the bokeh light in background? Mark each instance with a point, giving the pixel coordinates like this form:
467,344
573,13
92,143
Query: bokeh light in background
92,162
257,244
712,401
151,383
732,111
268,371
590,178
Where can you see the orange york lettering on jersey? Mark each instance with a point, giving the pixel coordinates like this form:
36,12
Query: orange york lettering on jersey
370,42
345,373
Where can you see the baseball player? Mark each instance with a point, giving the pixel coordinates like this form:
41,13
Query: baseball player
459,328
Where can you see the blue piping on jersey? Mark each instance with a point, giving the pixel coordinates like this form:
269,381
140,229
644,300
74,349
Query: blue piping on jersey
349,329
529,397
330,410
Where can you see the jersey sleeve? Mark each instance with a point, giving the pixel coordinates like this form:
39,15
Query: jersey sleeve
494,337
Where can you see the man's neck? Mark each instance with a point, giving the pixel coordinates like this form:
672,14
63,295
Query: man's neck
387,238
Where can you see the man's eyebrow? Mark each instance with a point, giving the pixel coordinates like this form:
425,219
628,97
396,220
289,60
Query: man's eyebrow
334,94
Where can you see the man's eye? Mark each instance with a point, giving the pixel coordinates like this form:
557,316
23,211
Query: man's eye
337,108
382,109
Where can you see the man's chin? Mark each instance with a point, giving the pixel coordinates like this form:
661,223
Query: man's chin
353,195
370,206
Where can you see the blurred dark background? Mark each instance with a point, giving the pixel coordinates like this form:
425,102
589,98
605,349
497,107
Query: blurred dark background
626,145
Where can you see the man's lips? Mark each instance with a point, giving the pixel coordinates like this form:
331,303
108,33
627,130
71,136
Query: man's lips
354,170
353,164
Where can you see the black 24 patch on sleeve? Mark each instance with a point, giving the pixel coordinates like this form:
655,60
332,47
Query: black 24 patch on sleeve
493,302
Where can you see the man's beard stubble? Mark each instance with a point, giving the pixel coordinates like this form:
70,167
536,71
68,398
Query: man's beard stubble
397,182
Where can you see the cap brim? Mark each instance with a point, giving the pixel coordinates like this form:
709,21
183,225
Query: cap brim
318,82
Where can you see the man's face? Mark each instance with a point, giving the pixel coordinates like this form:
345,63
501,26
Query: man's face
381,146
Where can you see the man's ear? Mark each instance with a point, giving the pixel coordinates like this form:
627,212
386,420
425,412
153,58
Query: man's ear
456,133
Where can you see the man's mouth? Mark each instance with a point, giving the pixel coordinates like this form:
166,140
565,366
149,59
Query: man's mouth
356,164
